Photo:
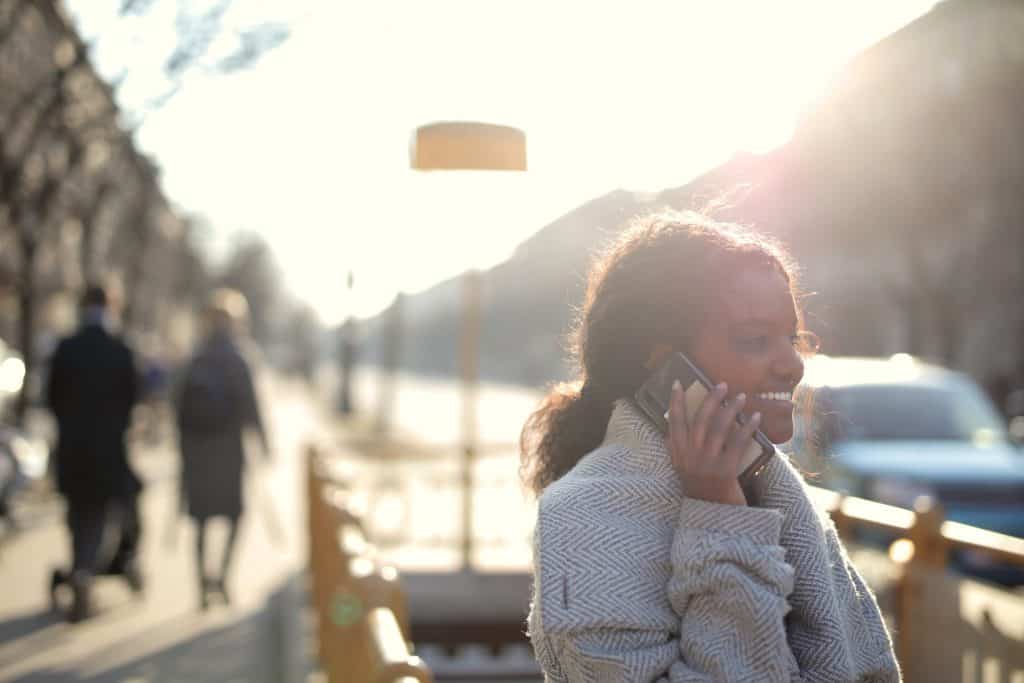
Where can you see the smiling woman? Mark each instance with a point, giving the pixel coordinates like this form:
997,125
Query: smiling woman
721,294
652,562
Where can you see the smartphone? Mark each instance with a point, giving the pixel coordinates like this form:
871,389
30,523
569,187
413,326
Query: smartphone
654,396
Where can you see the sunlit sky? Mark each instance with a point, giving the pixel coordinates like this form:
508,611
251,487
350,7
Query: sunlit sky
310,147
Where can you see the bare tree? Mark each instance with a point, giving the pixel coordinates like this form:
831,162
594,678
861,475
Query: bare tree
251,269
66,157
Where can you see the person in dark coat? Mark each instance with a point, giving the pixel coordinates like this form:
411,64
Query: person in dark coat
91,389
216,403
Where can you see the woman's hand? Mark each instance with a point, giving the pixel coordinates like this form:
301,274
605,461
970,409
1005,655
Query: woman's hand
706,451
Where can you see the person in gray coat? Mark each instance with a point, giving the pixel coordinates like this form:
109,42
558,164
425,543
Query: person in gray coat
216,402
653,561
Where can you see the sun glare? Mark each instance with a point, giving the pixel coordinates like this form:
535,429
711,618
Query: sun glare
641,96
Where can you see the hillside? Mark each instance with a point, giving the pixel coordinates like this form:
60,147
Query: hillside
900,194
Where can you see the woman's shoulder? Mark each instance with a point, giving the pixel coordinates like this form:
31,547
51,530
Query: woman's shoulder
606,510
602,544
610,478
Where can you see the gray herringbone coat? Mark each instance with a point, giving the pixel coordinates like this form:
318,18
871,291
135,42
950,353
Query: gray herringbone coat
633,582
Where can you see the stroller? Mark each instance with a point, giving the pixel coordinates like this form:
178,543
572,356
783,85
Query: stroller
117,559
23,462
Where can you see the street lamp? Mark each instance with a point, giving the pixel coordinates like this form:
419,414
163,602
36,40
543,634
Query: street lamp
468,146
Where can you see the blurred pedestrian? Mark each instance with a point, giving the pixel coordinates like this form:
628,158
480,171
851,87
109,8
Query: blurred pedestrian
215,403
91,389
652,561
152,396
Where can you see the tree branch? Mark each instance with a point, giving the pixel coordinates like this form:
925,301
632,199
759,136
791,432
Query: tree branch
11,26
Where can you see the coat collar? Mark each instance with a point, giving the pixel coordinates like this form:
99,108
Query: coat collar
629,427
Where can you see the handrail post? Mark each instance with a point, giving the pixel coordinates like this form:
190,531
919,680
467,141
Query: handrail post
930,548
842,521
351,657
391,656
924,551
317,542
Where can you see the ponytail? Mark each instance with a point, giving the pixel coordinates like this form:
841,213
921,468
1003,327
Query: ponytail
569,423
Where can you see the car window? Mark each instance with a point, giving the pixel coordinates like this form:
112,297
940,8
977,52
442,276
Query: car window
896,412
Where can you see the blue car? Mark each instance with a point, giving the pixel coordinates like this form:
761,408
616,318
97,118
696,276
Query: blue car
892,430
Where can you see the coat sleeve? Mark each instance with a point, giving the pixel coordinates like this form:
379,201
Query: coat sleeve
251,414
728,592
131,381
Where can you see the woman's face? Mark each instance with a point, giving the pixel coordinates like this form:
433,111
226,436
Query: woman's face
750,343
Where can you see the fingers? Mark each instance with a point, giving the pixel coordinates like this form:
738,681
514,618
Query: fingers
713,441
738,443
723,424
701,425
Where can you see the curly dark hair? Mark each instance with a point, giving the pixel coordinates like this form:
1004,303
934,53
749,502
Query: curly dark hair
650,287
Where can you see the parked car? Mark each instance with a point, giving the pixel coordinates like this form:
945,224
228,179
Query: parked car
12,376
23,458
23,461
1015,412
892,430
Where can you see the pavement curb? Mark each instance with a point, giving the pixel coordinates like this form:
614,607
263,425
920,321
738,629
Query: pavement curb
287,604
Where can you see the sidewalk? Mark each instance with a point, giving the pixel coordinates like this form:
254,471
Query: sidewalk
163,636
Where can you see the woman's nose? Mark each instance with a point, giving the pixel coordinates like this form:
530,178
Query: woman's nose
789,364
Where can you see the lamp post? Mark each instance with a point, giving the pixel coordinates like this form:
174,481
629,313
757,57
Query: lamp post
468,146
347,353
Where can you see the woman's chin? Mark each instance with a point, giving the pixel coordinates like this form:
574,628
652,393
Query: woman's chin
778,433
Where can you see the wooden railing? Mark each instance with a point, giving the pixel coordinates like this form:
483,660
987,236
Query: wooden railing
362,620
946,627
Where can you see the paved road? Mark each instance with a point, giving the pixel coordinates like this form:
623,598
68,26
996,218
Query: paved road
163,637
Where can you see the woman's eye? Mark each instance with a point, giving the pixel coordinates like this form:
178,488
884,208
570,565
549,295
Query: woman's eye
806,342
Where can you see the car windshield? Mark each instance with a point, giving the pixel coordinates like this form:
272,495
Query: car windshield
888,412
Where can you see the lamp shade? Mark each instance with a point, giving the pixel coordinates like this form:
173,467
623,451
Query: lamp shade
467,146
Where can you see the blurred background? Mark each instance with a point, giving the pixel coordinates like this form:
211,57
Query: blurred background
405,316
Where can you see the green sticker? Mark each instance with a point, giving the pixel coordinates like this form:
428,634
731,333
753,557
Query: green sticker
346,609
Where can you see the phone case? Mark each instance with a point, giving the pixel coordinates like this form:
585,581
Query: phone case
654,395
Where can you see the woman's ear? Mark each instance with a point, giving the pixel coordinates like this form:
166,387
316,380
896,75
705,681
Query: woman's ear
658,355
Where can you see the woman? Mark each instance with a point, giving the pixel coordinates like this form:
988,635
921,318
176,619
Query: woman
652,563
216,402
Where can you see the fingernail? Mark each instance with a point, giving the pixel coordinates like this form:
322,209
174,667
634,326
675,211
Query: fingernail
676,386
756,417
740,398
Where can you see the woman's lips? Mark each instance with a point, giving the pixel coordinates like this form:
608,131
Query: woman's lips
777,396
773,401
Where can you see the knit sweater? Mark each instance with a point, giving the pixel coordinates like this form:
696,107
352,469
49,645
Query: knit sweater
634,582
